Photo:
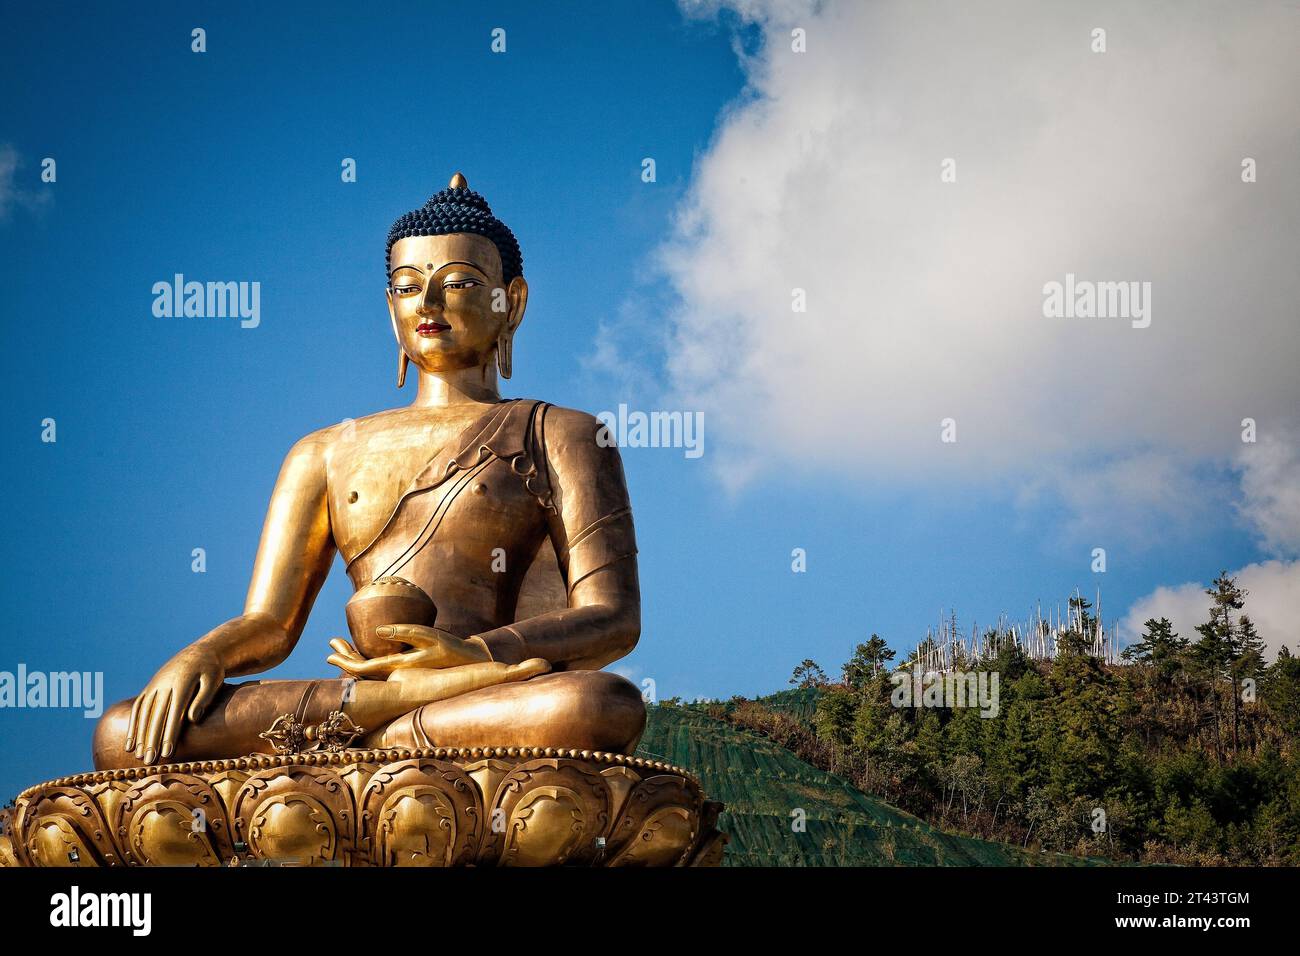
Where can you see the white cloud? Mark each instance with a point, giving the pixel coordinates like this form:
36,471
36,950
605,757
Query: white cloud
1270,503
1270,485
1130,493
925,298
1273,604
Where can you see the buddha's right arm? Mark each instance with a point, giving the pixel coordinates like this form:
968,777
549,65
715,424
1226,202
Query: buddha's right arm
293,559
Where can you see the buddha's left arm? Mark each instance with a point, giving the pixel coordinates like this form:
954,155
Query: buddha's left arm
591,529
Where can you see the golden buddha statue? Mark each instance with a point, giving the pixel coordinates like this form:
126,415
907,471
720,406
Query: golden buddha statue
490,546
490,543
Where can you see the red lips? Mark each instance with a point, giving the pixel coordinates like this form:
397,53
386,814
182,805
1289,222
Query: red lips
431,328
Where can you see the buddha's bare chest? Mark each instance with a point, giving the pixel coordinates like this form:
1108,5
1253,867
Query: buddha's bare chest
372,468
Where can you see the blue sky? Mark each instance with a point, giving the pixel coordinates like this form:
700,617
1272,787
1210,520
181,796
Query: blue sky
226,166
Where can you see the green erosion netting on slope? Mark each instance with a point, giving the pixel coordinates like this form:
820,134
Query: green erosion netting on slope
761,783
799,703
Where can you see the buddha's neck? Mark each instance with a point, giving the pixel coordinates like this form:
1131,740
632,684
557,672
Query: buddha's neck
457,387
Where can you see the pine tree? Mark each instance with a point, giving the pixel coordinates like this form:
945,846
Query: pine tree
1247,664
1217,648
808,674
1281,693
868,660
1164,653
1080,747
1250,650
1161,648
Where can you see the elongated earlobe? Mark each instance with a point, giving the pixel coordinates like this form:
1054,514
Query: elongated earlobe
402,358
518,297
505,345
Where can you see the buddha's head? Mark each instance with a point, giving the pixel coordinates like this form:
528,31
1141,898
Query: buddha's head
456,291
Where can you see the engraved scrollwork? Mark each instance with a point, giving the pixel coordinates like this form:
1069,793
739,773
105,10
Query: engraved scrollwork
549,812
298,815
421,813
173,819
658,822
65,827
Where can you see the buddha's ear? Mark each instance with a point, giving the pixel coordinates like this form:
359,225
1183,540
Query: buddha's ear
392,314
517,301
402,358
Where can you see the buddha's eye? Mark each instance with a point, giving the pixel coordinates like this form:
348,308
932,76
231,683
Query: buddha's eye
405,289
461,284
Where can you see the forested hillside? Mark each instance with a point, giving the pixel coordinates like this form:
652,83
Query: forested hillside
783,812
1187,752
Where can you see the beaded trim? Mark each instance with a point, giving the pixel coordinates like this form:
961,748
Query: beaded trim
256,762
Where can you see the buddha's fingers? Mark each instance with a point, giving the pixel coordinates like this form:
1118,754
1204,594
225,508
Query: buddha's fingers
433,646
171,726
150,698
206,693
131,731
156,719
359,667
418,635
346,649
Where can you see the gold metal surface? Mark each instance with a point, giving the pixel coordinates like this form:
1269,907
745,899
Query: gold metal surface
529,806
506,521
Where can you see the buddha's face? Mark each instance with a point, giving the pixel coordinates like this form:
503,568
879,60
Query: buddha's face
448,302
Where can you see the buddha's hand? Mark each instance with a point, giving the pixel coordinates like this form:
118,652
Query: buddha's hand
190,680
422,685
431,648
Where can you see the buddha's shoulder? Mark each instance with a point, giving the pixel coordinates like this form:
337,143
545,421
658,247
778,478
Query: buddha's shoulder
321,442
324,438
569,425
577,441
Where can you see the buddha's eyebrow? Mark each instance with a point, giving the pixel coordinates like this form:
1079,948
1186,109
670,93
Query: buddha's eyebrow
458,262
400,268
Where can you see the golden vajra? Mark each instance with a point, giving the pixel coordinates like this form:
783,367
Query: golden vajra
333,734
